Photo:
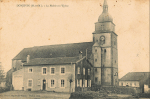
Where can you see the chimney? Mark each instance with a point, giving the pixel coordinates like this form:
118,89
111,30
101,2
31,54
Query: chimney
28,58
80,54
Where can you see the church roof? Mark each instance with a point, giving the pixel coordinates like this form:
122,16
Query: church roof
96,44
135,76
53,51
52,61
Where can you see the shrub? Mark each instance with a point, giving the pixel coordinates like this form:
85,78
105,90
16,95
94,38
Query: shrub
4,89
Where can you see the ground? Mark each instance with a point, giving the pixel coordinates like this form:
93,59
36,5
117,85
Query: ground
33,95
57,95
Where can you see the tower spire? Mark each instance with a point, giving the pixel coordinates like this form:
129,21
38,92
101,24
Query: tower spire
105,6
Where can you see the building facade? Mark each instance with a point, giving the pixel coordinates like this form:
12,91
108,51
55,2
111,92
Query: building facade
40,68
63,74
137,80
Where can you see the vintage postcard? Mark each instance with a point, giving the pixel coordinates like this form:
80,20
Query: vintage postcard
70,49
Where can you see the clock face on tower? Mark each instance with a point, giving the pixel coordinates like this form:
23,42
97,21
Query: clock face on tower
102,40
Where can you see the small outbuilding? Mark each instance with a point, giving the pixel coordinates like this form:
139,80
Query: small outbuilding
137,80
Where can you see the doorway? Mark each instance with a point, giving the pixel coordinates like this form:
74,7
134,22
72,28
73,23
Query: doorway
44,84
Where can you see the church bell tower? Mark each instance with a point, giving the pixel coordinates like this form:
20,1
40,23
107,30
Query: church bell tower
105,52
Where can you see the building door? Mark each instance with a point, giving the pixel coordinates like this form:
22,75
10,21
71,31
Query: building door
44,84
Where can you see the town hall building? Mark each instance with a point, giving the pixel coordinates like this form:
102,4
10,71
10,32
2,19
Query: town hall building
70,67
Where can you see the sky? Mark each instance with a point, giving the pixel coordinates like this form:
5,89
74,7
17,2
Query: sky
72,22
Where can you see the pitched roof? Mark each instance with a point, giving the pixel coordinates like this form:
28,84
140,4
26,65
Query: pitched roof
53,51
54,61
96,44
135,76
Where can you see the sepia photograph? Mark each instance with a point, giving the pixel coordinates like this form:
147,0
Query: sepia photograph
74,49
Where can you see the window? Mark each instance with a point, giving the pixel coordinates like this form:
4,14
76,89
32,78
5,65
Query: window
89,83
114,43
102,27
122,84
95,50
52,83
52,71
78,83
88,71
30,83
127,84
78,70
83,82
44,70
62,70
95,69
95,60
134,84
30,70
62,83
96,79
83,71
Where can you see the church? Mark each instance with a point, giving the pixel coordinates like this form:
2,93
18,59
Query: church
70,67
